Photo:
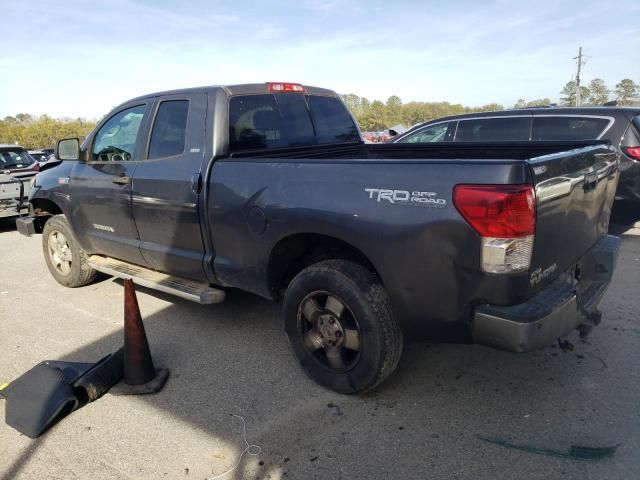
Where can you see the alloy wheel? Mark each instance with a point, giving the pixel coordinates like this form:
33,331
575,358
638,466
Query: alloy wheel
59,252
329,330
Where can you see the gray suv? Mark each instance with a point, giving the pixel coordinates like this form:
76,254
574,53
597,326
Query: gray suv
619,125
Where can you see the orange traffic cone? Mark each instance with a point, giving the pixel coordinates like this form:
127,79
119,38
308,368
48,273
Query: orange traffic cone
140,376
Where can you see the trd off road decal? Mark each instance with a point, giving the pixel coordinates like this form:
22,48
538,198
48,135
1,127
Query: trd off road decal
406,197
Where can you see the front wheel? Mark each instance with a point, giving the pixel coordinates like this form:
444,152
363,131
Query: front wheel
66,261
340,324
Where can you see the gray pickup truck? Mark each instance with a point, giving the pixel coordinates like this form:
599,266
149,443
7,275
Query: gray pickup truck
269,188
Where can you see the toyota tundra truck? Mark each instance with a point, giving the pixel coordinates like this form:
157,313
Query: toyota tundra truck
269,188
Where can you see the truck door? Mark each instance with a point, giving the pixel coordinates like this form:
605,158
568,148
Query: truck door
100,186
166,187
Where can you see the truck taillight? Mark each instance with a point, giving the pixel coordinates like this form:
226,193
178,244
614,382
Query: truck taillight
285,87
505,218
633,152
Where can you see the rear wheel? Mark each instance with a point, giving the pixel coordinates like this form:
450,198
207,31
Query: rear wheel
66,261
340,324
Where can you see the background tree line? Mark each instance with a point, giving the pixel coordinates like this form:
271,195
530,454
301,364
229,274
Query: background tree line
41,132
376,115
44,131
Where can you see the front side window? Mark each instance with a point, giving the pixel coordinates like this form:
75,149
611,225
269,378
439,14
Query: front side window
434,133
504,129
567,128
116,139
169,128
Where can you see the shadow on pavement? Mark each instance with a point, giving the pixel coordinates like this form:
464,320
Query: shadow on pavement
624,216
8,224
234,358
14,469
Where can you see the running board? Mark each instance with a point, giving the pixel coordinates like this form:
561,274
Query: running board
180,287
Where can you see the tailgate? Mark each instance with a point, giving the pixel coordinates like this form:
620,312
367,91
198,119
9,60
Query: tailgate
10,192
574,194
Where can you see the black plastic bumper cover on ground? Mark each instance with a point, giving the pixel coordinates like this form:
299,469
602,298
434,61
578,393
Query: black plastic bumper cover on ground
52,389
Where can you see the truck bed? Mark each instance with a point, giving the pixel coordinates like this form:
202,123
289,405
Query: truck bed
429,257
423,151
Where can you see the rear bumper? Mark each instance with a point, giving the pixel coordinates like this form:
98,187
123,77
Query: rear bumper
12,212
9,208
553,312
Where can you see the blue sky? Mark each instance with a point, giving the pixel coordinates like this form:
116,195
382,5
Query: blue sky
81,58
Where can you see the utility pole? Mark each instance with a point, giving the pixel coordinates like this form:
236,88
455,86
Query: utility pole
580,63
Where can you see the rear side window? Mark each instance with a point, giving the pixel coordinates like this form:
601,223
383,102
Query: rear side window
169,128
631,138
567,128
507,129
259,122
435,133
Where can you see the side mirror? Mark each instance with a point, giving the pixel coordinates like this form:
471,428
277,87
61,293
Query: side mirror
68,149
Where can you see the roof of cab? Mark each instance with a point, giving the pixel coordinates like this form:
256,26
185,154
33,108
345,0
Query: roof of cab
230,90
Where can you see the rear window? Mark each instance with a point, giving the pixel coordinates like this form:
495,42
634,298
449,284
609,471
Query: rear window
332,122
507,129
282,120
568,128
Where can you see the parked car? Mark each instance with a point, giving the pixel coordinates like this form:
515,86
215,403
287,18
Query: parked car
619,125
17,170
269,188
39,155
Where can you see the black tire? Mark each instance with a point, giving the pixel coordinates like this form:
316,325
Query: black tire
328,353
68,263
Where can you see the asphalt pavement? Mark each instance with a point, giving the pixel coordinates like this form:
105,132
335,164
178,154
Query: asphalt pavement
427,422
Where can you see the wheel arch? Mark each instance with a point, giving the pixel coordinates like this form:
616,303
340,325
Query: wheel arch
43,210
44,206
293,253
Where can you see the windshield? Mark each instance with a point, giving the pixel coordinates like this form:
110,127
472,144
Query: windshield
14,159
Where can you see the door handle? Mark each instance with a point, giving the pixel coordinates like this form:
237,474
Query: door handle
121,180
